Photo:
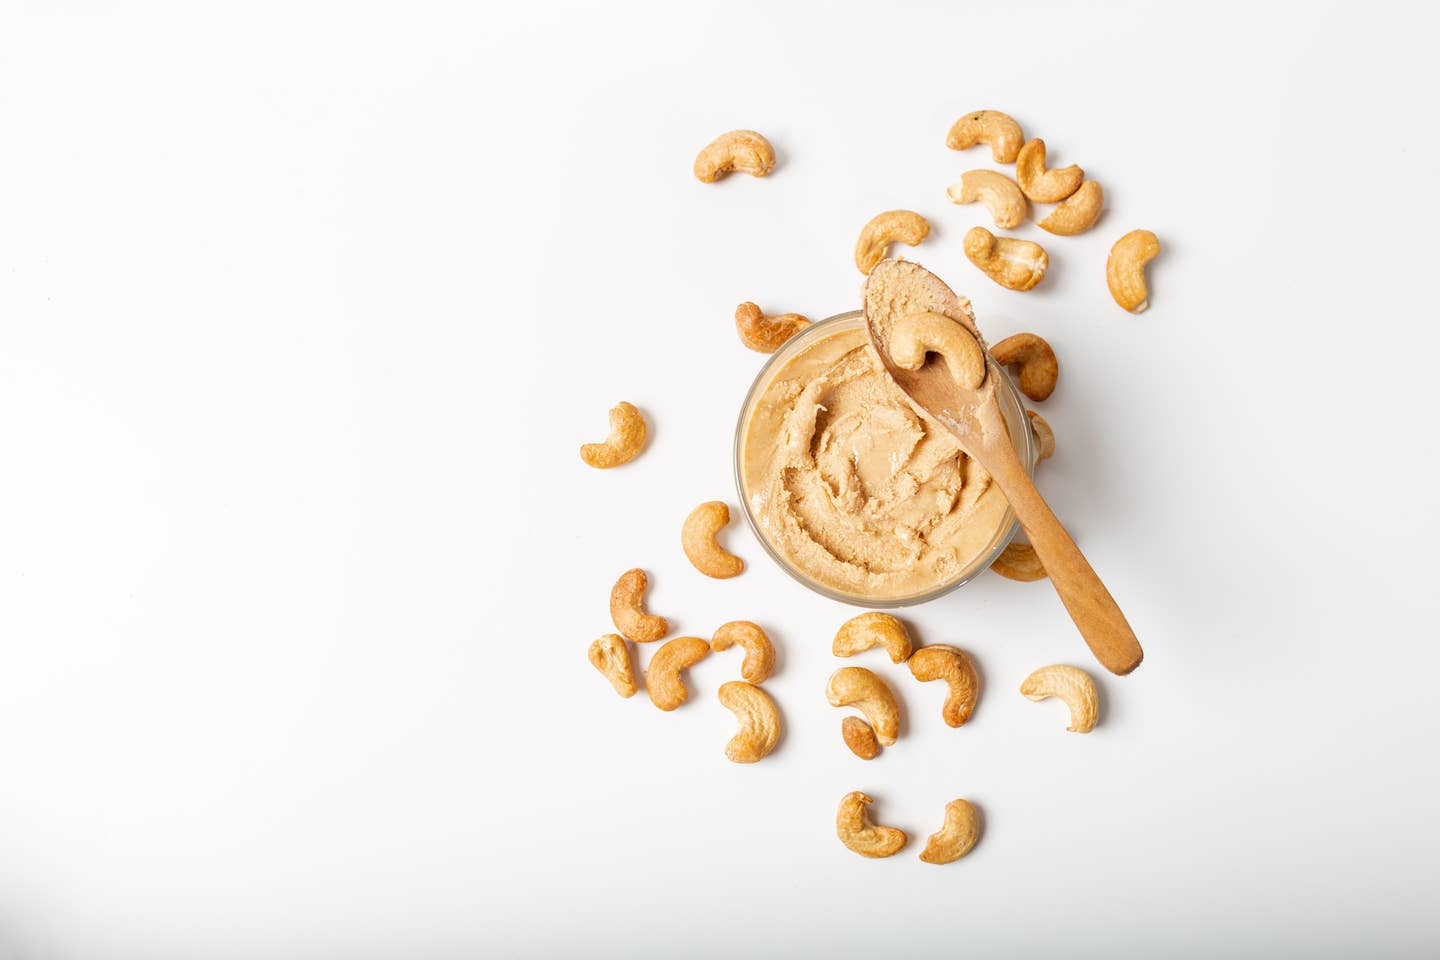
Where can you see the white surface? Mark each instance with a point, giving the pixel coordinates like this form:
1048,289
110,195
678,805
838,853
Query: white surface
304,312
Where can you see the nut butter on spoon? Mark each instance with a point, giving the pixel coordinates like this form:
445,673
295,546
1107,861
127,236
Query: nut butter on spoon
897,289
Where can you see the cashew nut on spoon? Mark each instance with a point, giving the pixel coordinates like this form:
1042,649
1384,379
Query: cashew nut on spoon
916,334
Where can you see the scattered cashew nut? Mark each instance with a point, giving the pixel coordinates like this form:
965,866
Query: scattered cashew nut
698,539
1014,264
859,688
937,661
956,837
1125,270
1018,561
1040,184
1070,684
1001,195
860,738
1039,368
627,609
765,334
987,126
627,436
743,150
662,675
1078,213
855,830
916,334
869,630
759,651
759,721
1044,436
904,226
611,656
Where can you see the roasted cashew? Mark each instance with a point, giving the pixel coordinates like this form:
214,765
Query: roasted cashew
1070,684
916,334
765,334
937,661
1000,194
627,609
759,721
743,150
1014,264
859,688
662,675
956,837
1019,562
627,436
987,126
611,656
860,738
759,651
856,831
871,629
697,536
1040,184
904,226
1044,436
1039,368
1125,270
1077,214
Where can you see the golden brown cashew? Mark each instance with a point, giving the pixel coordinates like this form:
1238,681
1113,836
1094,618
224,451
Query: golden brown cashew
611,656
956,837
765,334
859,688
627,436
1077,214
904,226
1125,270
759,721
1000,194
1039,367
1070,684
856,831
937,661
987,126
662,675
698,539
869,630
1040,184
860,738
916,334
759,651
627,609
1044,436
1019,562
743,150
1014,264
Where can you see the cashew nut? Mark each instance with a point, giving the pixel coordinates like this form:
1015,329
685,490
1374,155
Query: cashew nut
627,609
759,651
1039,368
662,675
906,226
1125,270
957,835
916,334
860,738
611,656
1044,436
987,126
698,539
1077,214
1040,184
859,688
937,661
759,721
855,830
627,436
1070,684
1000,194
766,334
1019,562
1014,264
871,629
743,150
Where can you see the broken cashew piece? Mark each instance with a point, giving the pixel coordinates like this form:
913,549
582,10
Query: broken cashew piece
916,334
765,334
859,688
1040,184
1018,561
1070,684
956,837
1125,270
662,675
904,226
1001,195
611,656
627,609
1044,436
1014,264
870,630
987,126
1039,368
1078,213
759,721
627,436
697,536
853,827
938,661
860,738
759,651
743,150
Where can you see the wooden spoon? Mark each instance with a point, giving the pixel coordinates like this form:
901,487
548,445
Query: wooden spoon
897,287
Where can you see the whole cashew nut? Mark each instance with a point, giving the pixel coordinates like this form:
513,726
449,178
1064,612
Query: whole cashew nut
1039,367
1019,562
956,837
937,661
697,537
859,688
627,609
765,334
916,334
1070,684
759,651
905,226
611,656
1125,270
627,436
759,721
1001,195
987,126
1077,214
860,738
1014,264
662,675
1044,436
1040,184
855,830
743,150
869,630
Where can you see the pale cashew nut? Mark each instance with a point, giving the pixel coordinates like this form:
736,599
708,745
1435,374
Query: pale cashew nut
860,738
611,656
759,651
869,630
1001,195
956,837
1044,436
1018,561
1077,214
1070,684
765,334
1125,270
916,334
1014,264
759,721
627,436
697,536
987,126
1039,367
662,675
855,830
1040,184
627,609
743,150
904,226
859,688
940,662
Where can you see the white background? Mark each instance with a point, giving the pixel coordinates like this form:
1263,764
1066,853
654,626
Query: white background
305,309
